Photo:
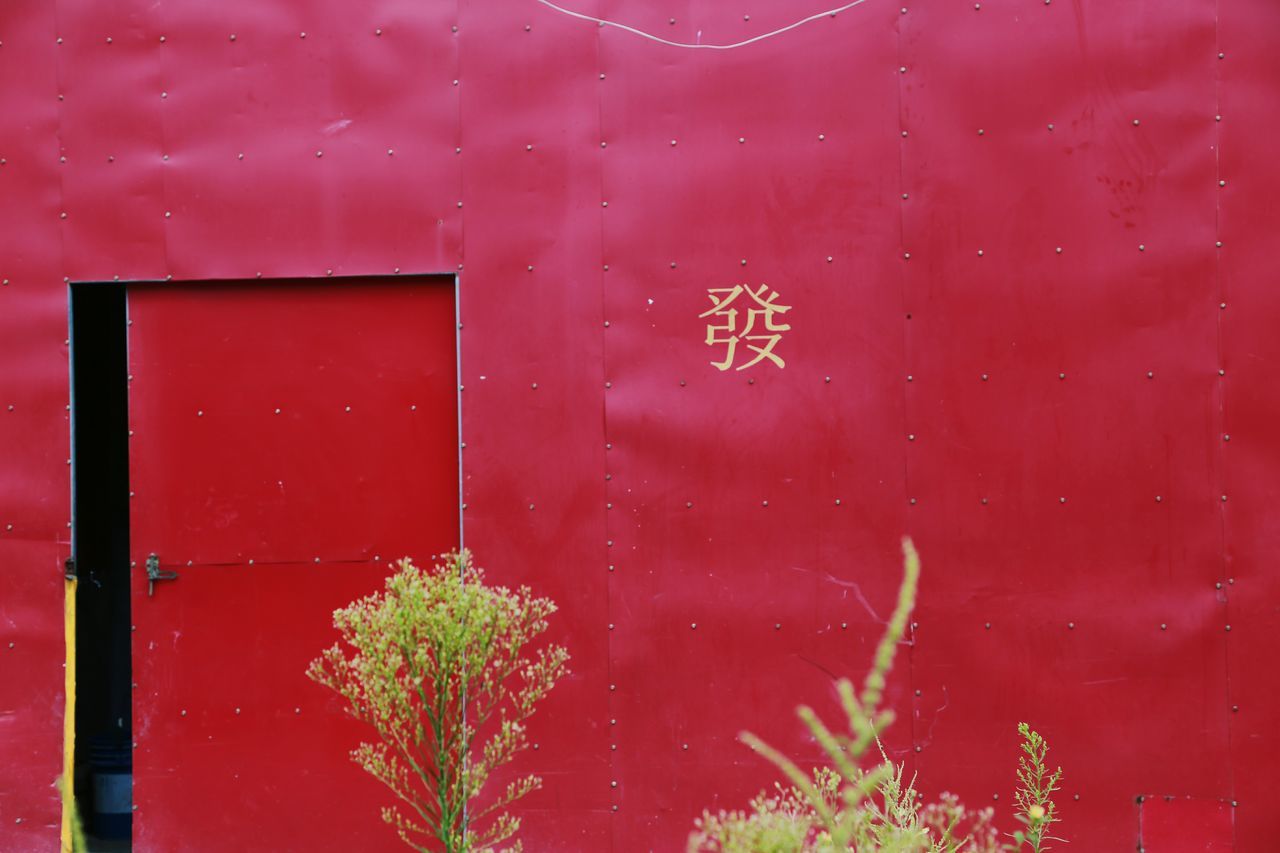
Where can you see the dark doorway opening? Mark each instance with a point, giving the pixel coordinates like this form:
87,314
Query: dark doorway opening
100,547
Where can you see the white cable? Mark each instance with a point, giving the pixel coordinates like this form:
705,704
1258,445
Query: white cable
659,40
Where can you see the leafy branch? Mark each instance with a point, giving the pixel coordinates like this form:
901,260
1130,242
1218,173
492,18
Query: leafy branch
440,665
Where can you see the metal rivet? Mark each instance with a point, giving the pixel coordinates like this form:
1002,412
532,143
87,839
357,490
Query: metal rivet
1135,122
1228,627
319,153
232,37
1062,376
1163,626
764,503
911,437
1226,438
988,626
1222,183
1062,500
837,502
528,148
742,140
1071,626
913,501
693,626
1159,498
1051,127
906,255
534,386
981,132
984,501
910,378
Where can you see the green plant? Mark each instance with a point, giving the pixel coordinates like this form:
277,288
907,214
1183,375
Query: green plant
441,666
1036,809
845,806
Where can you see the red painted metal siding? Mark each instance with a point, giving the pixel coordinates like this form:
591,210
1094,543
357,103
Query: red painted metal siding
1050,426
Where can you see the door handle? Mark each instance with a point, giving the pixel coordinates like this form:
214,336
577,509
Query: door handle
154,574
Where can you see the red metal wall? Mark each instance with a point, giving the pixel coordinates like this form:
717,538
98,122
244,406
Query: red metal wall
1032,294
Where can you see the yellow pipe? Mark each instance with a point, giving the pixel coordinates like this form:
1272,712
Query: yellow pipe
69,716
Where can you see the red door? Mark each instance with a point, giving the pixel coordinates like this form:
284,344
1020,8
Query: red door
287,440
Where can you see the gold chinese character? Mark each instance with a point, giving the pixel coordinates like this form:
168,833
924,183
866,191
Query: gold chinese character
759,319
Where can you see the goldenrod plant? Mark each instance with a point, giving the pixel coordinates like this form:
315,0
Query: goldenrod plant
1036,809
846,806
443,667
